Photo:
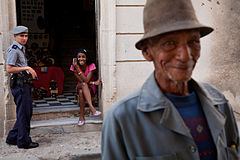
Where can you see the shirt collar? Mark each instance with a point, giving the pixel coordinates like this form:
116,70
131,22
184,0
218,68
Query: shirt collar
18,45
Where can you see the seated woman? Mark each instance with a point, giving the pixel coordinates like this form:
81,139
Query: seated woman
83,69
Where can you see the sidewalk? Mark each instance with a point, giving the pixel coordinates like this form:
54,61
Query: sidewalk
64,146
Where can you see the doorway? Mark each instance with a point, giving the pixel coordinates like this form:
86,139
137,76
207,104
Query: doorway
56,30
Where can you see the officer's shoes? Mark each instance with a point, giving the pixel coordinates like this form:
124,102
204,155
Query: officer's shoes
11,142
31,145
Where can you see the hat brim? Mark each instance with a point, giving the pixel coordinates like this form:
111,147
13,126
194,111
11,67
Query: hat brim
204,30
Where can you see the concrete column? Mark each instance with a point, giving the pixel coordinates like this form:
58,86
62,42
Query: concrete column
7,106
2,100
107,47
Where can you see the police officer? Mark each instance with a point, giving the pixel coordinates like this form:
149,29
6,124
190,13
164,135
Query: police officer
16,64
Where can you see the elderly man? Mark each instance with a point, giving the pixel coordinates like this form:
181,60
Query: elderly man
172,116
16,65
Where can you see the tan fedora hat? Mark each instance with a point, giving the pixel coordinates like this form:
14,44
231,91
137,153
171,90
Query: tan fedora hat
163,16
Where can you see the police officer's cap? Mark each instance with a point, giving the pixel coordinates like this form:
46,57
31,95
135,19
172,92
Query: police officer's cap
20,29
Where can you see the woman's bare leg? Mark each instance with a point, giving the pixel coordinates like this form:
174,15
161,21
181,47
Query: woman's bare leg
81,104
88,97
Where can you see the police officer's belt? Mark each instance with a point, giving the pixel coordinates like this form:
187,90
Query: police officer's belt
19,79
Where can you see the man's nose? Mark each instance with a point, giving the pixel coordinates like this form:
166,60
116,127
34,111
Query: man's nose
184,53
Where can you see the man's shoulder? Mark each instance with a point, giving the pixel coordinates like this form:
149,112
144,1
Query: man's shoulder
212,91
12,48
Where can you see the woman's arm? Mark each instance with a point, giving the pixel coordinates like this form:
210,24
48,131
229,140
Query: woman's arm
97,82
80,75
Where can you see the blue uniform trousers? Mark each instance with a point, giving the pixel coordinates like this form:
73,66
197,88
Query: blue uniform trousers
21,129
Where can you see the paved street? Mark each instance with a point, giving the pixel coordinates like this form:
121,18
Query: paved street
65,146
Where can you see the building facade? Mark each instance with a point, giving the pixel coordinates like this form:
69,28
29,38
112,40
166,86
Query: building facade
123,68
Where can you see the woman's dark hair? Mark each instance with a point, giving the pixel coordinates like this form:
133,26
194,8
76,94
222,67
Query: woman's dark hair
82,50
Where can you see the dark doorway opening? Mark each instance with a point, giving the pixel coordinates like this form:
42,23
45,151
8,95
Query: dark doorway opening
72,25
56,30
59,28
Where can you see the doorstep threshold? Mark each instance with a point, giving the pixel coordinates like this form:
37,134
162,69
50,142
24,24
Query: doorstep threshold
65,121
55,108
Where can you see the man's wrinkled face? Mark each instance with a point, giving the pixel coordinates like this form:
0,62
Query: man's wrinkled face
175,54
21,38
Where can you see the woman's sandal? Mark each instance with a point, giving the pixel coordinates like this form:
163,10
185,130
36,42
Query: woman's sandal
97,113
81,123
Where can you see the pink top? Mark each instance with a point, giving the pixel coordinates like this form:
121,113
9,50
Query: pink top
89,68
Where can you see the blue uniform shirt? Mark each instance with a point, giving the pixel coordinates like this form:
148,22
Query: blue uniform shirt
15,55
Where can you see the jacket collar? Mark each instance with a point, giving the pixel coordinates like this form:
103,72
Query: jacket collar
210,99
210,92
151,98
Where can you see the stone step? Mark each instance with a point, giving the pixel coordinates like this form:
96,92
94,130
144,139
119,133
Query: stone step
56,112
65,125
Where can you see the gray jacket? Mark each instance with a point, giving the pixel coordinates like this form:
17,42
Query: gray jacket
147,126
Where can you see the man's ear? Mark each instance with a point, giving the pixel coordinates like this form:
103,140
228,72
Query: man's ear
146,52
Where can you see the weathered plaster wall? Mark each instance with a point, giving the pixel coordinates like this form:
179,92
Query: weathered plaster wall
220,59
131,68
